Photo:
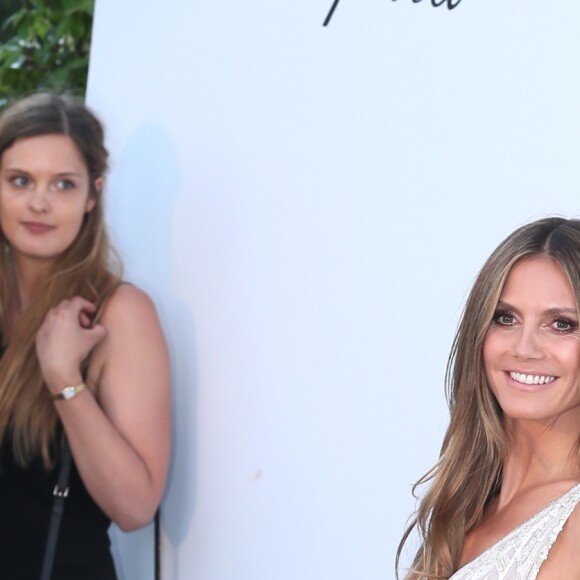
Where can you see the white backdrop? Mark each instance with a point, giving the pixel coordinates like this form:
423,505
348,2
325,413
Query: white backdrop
308,206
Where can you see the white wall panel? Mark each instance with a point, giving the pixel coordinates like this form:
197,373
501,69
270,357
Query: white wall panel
309,207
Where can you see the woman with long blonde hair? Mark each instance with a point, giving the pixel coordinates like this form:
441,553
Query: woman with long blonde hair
84,365
504,495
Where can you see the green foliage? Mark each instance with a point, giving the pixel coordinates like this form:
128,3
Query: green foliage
7,8
45,45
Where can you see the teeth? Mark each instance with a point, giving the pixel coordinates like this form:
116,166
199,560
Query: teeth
532,379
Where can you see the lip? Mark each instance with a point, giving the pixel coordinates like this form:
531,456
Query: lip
37,228
529,388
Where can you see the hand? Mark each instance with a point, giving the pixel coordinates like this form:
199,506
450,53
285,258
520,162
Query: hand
64,340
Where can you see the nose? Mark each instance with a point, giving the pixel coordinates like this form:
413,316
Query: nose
527,344
39,201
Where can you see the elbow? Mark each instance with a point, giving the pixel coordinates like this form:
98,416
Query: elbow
134,515
138,507
131,521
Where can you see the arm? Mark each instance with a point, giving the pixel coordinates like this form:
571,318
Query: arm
120,437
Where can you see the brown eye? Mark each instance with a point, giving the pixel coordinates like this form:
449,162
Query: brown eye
563,325
503,319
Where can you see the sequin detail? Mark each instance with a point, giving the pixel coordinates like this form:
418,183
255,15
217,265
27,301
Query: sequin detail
520,554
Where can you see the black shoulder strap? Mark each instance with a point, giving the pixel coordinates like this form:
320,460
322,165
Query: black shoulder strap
60,494
158,544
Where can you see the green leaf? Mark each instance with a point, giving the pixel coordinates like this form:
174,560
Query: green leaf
18,62
14,20
49,47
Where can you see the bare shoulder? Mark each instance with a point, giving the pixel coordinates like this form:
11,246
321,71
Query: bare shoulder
130,315
564,557
134,345
131,320
126,302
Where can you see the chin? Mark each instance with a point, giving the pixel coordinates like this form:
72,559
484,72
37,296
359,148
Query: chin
527,412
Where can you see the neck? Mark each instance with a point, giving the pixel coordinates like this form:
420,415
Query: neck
29,276
540,453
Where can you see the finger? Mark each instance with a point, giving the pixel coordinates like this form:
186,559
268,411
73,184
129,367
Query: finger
81,304
85,320
97,332
84,308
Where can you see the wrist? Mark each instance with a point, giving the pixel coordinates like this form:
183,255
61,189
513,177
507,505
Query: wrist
69,392
57,382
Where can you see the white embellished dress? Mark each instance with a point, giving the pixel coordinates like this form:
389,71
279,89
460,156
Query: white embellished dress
519,555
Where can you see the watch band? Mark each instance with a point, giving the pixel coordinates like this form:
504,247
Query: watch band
69,392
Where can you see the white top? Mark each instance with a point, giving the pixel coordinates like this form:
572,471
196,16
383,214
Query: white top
519,555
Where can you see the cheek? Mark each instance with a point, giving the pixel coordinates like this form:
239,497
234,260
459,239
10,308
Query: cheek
70,211
490,349
569,354
6,211
492,355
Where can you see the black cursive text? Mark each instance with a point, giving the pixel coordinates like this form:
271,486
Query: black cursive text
451,4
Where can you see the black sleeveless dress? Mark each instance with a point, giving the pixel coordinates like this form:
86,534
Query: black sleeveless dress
26,499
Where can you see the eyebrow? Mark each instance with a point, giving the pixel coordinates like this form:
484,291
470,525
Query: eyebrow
550,311
61,174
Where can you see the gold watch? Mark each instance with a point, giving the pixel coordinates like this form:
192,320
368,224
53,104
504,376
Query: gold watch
69,392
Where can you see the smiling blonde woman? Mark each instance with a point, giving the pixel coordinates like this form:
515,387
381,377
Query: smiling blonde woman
503,500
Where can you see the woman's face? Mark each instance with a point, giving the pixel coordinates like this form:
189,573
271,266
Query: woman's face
44,196
532,348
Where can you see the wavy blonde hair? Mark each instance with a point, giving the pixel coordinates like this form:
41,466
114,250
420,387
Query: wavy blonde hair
88,268
468,474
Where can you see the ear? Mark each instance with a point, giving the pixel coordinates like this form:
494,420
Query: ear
92,200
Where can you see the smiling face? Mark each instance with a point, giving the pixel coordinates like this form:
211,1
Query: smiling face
532,348
44,196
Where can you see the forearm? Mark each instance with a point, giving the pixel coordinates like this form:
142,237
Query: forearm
115,475
120,442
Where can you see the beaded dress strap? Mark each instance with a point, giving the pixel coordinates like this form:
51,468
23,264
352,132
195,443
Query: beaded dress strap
520,554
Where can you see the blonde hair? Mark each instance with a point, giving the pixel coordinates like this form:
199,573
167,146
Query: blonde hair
88,268
468,474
